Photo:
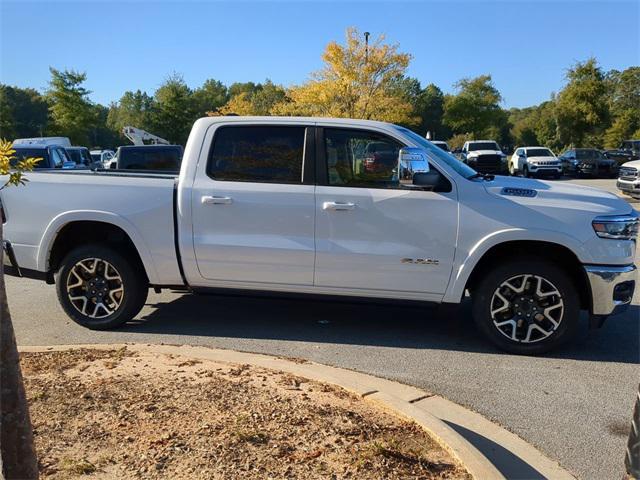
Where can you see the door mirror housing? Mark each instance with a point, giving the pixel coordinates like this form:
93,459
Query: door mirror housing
411,161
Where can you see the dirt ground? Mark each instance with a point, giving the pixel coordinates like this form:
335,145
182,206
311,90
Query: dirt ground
108,414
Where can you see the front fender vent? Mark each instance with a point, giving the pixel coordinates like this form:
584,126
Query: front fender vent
518,192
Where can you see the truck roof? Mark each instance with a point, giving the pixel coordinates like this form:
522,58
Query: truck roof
277,119
44,141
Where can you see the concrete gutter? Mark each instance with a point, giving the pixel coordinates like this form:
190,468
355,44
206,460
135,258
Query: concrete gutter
486,450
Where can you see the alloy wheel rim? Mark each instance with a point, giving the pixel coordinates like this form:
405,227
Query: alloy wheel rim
527,308
95,288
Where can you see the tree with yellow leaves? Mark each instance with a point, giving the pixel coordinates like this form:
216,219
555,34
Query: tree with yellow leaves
17,452
357,81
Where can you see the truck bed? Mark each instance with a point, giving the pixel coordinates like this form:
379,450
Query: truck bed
140,203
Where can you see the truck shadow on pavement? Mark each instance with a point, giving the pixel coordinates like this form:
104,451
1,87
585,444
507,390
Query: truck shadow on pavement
445,327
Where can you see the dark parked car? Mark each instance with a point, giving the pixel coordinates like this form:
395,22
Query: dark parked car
162,158
588,162
620,156
80,155
53,156
629,150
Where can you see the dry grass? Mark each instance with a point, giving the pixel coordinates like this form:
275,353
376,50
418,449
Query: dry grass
111,414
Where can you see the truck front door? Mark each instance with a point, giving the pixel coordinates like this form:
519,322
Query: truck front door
253,209
373,235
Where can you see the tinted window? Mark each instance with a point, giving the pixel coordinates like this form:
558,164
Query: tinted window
361,159
59,156
271,154
150,158
76,156
22,153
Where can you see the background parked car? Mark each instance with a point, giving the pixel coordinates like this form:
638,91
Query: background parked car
53,156
484,156
442,144
588,162
620,156
164,158
532,161
102,156
81,156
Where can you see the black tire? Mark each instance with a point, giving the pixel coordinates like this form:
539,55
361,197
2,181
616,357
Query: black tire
567,321
132,279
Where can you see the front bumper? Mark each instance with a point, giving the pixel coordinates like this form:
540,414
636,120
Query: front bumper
630,187
612,287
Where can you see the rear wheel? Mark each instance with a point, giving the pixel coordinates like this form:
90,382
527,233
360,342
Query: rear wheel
99,288
526,306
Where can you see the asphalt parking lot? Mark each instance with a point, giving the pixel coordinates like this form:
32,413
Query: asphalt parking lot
574,404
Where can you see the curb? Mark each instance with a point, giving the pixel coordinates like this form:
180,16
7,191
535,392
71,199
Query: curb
485,449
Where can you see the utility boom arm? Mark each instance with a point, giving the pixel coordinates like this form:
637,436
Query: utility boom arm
139,137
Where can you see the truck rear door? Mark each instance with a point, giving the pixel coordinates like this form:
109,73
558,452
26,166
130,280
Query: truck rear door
253,206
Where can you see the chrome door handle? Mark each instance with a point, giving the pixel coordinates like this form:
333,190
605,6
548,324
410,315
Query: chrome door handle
212,200
338,206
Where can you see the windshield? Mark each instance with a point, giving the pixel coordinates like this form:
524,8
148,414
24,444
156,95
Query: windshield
483,146
463,169
539,152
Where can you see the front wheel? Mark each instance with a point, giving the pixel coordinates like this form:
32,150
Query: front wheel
526,306
99,288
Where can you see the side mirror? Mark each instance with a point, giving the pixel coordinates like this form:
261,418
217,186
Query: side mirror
411,161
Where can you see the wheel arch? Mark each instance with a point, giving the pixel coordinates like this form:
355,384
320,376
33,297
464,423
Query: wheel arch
544,250
69,231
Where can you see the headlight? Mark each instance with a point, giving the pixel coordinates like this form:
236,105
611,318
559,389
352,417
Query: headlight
619,227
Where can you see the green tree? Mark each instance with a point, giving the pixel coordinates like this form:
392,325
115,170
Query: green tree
263,99
624,104
174,111
582,109
430,109
23,112
212,95
103,135
134,109
475,108
72,114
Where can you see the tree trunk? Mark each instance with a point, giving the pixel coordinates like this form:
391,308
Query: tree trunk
17,451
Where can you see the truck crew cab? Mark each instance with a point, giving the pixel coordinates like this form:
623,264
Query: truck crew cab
284,205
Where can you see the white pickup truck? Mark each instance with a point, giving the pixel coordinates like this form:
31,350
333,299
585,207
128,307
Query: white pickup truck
331,207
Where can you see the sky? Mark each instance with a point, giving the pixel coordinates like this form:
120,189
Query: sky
526,46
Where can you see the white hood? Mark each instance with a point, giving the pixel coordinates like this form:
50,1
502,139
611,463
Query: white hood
557,196
634,164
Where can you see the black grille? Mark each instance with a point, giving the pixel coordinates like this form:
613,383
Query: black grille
488,163
628,173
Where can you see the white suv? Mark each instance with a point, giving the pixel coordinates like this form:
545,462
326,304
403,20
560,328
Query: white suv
532,161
